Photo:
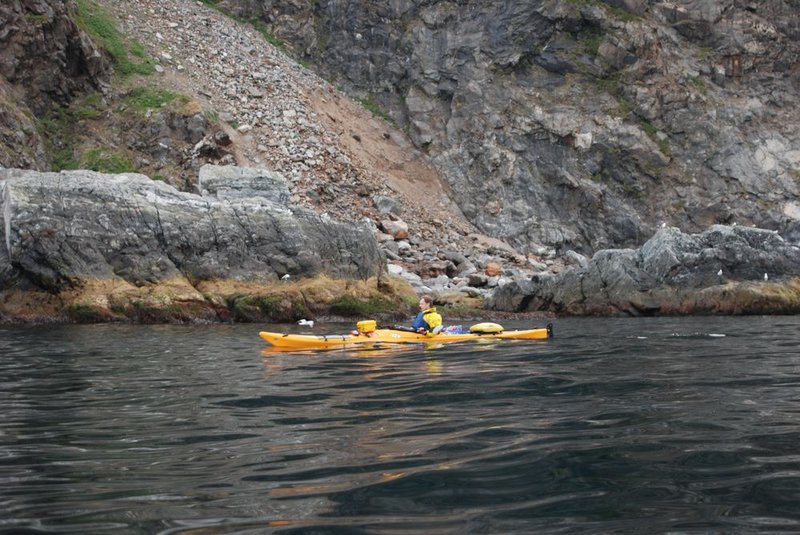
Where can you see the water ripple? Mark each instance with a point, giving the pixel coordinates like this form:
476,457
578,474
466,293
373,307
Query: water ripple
636,425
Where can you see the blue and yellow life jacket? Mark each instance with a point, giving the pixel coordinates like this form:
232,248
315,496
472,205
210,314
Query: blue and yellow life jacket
428,319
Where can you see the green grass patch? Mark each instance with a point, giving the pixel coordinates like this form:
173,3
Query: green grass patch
261,28
106,161
137,49
212,116
61,129
36,19
55,128
591,44
269,305
371,106
624,107
411,301
257,24
610,84
96,22
652,132
186,312
63,159
90,107
665,147
86,314
254,308
699,83
145,98
649,129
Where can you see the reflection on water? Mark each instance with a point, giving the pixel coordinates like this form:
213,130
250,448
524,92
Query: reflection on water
616,425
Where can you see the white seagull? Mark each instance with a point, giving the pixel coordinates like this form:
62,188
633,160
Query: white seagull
306,323
285,277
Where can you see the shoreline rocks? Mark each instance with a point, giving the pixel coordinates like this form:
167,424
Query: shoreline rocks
80,223
112,241
81,246
724,270
273,113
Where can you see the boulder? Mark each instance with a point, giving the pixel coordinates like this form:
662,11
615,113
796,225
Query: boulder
395,228
61,231
493,269
238,183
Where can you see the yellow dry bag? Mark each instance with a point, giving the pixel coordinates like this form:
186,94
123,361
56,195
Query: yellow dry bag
486,328
366,326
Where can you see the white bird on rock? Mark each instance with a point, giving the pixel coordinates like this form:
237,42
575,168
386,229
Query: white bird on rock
719,273
285,277
306,323
766,277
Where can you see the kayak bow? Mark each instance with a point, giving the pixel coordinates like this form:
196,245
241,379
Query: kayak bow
391,336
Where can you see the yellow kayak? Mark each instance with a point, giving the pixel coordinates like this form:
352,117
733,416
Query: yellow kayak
391,336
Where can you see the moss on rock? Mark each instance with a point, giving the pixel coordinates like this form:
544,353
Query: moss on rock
177,301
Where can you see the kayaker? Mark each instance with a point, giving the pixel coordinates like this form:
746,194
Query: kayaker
428,320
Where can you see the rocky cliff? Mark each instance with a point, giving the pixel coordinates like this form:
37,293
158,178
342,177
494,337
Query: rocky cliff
578,124
46,61
118,242
43,51
559,127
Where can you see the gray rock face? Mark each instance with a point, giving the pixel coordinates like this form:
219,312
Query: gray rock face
43,51
579,125
63,228
671,273
45,59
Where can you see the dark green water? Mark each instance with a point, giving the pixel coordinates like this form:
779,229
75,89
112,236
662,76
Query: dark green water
660,425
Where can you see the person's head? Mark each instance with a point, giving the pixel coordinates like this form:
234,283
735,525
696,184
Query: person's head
425,301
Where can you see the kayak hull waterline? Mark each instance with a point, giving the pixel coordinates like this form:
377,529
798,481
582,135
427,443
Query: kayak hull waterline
391,336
